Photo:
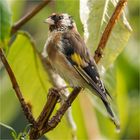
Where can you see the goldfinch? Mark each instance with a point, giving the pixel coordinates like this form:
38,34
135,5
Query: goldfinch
69,56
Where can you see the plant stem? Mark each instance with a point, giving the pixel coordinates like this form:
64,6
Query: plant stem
44,116
25,107
28,16
105,36
59,114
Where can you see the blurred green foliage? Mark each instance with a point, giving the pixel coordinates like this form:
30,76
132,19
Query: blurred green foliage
5,22
122,78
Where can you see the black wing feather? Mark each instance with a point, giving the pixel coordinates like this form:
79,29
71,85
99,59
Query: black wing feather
90,70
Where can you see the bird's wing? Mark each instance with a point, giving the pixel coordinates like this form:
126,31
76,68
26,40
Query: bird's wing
77,54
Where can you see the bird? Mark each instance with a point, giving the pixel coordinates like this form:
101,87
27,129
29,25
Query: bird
71,59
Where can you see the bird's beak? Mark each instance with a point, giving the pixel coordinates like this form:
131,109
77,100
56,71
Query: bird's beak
49,21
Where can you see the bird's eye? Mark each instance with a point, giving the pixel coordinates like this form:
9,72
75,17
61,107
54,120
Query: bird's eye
60,17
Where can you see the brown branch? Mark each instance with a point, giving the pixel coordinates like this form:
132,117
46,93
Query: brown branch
25,107
105,36
44,116
28,16
59,114
53,97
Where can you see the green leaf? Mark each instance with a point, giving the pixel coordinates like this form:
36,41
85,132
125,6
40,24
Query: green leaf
95,20
26,65
15,6
7,96
13,132
5,20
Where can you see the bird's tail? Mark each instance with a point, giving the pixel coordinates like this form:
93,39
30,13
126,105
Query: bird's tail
112,115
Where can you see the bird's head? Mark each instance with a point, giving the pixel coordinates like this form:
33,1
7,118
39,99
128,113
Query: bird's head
60,22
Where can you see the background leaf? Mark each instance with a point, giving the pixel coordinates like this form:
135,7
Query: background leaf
95,20
29,72
5,20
